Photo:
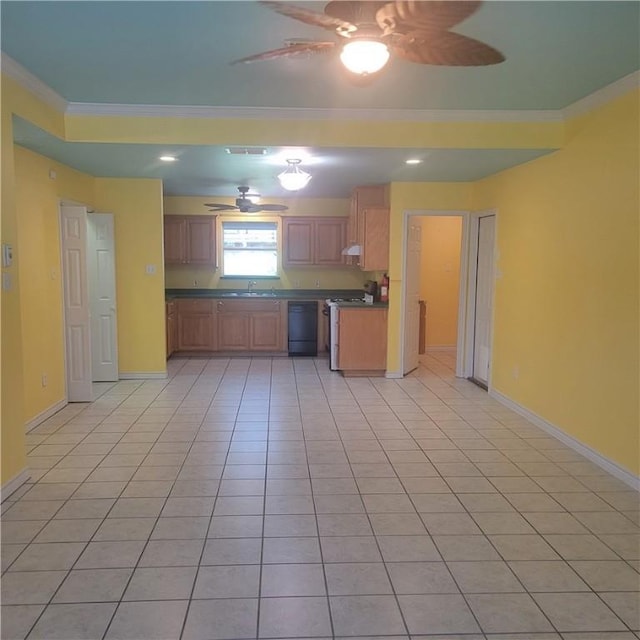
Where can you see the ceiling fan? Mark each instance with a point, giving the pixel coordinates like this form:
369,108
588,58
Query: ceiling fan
245,204
414,30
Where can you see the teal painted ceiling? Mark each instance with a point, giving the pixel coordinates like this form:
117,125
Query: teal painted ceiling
179,53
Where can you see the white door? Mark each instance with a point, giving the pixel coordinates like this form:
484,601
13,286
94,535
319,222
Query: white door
484,299
412,296
73,235
102,295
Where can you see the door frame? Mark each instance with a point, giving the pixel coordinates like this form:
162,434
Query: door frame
470,298
462,286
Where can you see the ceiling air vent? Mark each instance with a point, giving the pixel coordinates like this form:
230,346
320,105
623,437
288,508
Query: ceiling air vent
246,151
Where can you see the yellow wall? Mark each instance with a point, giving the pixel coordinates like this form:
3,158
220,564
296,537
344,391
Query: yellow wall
330,132
566,302
414,197
440,277
12,450
137,209
37,197
179,277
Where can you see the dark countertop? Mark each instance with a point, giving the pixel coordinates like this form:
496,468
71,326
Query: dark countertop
361,305
283,294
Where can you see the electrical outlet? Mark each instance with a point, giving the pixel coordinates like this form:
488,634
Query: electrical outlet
515,372
44,380
317,284
296,284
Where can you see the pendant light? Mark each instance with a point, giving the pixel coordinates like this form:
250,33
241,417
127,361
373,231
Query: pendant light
293,178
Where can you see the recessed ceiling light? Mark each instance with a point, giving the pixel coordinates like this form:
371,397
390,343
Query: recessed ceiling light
168,158
413,161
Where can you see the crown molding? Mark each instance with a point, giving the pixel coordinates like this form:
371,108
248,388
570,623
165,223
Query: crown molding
289,113
602,96
41,90
31,83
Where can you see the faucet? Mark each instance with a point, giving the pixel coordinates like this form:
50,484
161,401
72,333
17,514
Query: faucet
251,284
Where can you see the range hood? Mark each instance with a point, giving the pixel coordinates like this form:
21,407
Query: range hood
353,250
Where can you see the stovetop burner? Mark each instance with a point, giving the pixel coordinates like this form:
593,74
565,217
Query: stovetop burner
346,299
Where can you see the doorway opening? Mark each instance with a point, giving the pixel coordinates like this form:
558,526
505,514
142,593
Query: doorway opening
89,300
449,262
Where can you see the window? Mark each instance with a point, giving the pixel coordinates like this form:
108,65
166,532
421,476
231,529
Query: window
249,249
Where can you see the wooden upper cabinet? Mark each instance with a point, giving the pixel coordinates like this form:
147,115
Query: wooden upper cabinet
330,240
313,241
190,240
201,240
297,237
374,239
374,195
175,246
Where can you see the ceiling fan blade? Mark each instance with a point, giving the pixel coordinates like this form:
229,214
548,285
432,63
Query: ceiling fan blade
272,207
308,17
353,12
220,207
403,16
297,48
444,48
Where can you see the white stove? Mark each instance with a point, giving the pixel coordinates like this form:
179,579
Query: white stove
331,310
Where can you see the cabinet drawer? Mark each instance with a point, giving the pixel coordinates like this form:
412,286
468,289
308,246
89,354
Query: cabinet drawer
170,308
193,305
245,306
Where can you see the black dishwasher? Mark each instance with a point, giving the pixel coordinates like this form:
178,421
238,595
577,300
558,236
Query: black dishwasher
303,328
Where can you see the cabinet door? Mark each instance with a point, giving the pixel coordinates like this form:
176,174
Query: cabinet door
265,331
174,240
352,227
233,331
195,332
172,334
374,239
201,240
362,339
330,240
297,235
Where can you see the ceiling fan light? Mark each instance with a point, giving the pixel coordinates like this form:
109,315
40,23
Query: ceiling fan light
364,56
293,178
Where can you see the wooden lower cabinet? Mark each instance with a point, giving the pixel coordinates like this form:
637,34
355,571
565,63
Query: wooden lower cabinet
171,327
362,340
251,325
196,325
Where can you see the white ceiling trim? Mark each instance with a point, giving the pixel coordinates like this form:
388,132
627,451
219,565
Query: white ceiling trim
602,96
31,83
41,90
287,113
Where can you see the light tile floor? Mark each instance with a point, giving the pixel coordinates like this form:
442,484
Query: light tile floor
273,498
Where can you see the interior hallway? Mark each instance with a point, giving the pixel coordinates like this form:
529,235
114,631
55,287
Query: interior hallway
273,498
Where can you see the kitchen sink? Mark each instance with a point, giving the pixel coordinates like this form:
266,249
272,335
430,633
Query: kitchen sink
248,294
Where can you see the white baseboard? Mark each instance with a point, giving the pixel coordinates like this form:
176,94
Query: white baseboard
393,375
47,413
608,465
143,375
14,484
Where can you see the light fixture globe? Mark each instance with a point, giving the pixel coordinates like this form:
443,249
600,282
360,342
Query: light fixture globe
363,56
293,178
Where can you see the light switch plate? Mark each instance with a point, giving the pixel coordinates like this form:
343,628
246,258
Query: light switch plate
7,255
150,269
